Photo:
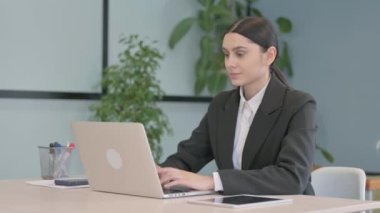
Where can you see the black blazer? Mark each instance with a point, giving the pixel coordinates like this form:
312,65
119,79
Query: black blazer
279,149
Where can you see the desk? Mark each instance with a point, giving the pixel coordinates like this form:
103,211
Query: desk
372,183
17,196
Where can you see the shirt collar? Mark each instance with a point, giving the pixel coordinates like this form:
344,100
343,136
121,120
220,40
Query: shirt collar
255,100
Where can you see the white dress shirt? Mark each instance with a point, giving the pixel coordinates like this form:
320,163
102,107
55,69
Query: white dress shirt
247,111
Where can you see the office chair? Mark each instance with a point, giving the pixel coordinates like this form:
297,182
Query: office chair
341,182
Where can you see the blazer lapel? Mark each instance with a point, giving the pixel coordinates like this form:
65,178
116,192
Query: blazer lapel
226,130
265,118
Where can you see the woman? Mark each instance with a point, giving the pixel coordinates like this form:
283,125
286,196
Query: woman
261,134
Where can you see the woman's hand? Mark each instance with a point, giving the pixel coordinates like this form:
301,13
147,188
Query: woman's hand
170,177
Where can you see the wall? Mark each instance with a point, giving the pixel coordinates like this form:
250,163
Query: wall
335,54
50,45
334,51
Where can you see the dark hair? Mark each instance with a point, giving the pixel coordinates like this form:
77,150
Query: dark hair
260,31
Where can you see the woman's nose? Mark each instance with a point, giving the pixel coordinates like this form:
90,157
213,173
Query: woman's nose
229,62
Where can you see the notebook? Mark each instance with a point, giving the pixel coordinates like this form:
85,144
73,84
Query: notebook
117,158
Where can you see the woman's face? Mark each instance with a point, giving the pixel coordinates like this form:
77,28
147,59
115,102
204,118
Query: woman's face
246,63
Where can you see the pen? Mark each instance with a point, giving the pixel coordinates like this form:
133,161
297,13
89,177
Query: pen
61,169
57,148
51,160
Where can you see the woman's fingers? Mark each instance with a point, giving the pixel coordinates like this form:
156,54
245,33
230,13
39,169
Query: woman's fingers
170,177
178,182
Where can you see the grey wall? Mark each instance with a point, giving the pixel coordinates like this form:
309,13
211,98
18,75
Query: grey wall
50,45
334,50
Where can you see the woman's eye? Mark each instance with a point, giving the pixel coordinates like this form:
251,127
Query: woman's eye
239,54
225,55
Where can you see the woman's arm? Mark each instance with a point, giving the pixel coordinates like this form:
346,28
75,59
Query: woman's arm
194,153
179,169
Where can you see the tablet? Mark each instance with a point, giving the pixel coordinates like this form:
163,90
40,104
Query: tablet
243,201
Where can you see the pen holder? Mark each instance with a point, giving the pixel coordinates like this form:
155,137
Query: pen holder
54,161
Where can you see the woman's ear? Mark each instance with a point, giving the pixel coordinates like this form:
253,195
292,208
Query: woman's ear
271,54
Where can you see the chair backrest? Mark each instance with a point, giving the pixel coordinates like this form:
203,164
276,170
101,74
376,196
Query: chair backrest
341,182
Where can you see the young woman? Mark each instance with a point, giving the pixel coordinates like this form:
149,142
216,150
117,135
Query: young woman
261,134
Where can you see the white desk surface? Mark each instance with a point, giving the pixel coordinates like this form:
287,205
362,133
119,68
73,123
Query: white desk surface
17,196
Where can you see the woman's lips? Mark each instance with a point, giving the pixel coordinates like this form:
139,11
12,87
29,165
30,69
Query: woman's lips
233,75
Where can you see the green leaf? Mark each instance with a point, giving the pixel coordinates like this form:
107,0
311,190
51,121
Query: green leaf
199,86
204,20
224,2
286,60
219,10
201,70
203,2
216,83
201,67
206,46
179,31
221,26
222,82
326,154
279,62
239,8
284,24
257,12
217,79
206,3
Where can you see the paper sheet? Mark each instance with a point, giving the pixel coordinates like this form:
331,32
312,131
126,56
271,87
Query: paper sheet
50,183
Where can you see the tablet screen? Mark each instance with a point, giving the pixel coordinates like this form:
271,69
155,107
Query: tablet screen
241,199
244,200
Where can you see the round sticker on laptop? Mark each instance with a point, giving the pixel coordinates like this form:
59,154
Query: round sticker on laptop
114,159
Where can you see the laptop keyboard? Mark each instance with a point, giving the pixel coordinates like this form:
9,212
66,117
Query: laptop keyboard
176,189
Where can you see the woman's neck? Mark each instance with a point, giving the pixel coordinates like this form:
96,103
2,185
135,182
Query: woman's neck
252,89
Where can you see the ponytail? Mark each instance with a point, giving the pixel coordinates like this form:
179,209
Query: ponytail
278,73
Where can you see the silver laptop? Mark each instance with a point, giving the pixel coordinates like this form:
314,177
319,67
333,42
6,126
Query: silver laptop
117,158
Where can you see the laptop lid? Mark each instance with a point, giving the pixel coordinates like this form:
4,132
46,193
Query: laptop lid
117,158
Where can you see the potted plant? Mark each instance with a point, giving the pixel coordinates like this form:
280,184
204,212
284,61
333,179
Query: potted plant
131,90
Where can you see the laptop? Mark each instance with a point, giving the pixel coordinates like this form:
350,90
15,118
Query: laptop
117,158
